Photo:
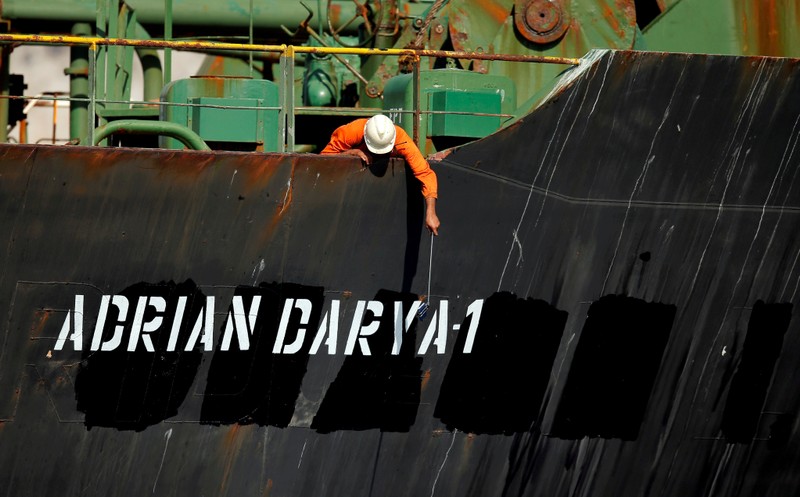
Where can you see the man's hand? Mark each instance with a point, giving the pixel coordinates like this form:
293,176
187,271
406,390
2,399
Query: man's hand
431,219
438,156
365,158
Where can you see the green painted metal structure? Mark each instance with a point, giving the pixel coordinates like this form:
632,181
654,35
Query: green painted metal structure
430,96
730,27
180,133
224,110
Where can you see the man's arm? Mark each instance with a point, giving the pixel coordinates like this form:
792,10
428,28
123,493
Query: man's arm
431,219
423,172
357,152
419,166
346,139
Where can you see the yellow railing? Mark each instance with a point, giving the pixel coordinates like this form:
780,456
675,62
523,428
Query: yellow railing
287,63
211,45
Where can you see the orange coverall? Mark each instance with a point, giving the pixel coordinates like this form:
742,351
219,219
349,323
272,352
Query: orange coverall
351,135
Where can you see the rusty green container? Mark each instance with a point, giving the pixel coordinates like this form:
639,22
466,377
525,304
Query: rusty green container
229,113
454,104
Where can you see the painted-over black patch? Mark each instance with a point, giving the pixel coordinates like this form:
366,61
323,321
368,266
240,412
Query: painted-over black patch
134,390
762,347
498,387
614,368
256,385
381,390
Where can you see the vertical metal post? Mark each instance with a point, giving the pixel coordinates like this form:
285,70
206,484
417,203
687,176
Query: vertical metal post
5,50
286,119
98,68
417,115
78,72
92,88
152,74
111,69
250,53
55,116
167,36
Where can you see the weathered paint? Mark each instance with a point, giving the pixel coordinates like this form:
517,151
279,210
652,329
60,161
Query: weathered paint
201,45
627,195
765,35
752,27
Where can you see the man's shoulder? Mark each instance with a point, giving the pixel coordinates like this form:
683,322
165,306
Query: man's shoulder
400,132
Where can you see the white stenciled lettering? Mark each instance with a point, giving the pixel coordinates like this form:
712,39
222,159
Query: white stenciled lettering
361,332
72,329
205,325
236,321
401,326
474,312
438,328
328,330
176,323
121,303
304,305
152,314
141,329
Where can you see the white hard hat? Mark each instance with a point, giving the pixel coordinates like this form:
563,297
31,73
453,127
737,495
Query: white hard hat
379,134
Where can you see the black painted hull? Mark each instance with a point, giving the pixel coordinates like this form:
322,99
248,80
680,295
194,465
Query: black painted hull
635,244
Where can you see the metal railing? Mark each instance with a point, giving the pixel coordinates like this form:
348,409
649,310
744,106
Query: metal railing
287,54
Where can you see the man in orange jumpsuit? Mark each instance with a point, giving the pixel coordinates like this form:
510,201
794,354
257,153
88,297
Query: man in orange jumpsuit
378,136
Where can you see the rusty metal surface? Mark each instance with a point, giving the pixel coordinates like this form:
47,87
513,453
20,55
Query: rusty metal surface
541,21
220,46
752,27
584,25
635,244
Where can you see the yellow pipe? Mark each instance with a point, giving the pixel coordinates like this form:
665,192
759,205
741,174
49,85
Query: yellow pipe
211,45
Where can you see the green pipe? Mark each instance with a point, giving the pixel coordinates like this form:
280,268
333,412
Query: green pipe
370,95
168,36
134,127
152,74
153,77
267,14
5,50
78,73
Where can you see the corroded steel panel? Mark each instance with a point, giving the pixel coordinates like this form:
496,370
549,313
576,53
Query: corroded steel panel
612,306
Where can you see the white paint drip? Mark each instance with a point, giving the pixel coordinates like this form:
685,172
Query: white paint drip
724,350
732,167
167,436
587,62
640,182
520,259
447,454
796,286
786,159
301,454
563,146
602,84
528,200
258,267
729,174
286,196
758,227
564,356
230,185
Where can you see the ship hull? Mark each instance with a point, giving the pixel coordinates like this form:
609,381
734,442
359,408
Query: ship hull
611,308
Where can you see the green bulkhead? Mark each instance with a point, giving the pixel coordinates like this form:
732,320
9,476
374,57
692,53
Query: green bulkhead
455,105
228,113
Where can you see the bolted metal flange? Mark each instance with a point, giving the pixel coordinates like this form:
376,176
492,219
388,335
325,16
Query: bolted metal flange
541,21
